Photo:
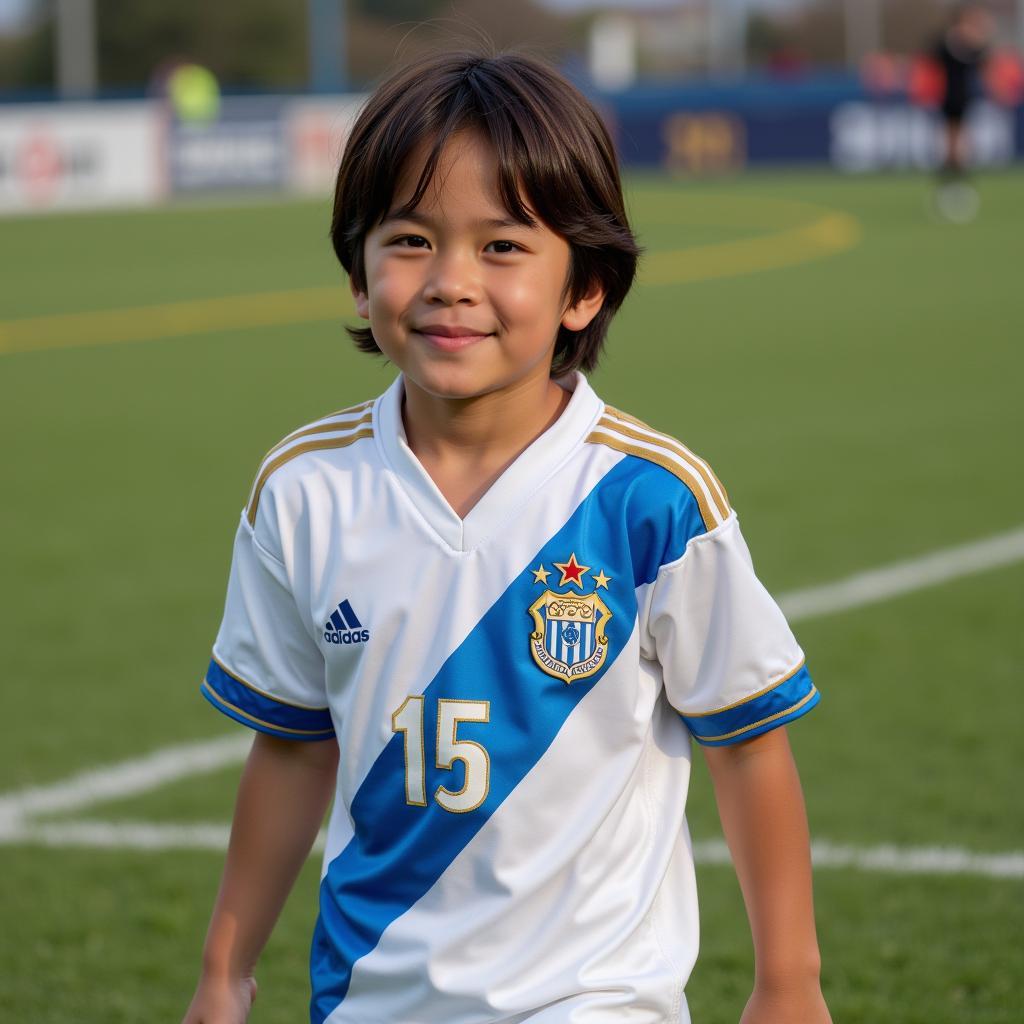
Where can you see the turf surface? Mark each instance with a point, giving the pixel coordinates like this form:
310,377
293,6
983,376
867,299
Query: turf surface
861,404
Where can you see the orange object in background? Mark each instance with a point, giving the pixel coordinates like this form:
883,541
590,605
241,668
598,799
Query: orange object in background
926,81
883,74
1004,78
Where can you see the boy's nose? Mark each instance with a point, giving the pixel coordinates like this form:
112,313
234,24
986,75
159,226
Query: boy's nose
452,279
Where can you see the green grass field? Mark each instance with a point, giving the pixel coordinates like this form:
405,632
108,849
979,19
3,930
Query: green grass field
850,367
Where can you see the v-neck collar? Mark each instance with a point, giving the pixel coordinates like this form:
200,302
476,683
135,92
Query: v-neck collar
515,485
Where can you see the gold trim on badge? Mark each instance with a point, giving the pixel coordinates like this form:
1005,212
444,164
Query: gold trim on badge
570,608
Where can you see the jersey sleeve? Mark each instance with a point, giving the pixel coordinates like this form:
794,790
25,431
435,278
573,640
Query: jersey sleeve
731,665
267,671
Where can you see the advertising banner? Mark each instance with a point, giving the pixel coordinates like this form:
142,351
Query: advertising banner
714,129
79,155
244,148
876,136
317,129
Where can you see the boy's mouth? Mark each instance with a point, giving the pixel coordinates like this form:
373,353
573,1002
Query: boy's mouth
450,338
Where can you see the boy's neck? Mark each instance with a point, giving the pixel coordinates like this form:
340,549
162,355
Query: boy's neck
483,427
466,444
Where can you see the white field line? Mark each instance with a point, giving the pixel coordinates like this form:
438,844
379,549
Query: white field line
904,577
128,778
145,836
171,764
904,860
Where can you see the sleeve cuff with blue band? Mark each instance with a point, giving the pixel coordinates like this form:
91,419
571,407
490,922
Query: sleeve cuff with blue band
242,702
792,696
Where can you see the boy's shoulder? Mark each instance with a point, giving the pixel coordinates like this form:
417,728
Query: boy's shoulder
331,433
636,439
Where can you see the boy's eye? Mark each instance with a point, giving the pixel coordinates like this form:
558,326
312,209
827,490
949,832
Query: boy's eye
412,241
503,247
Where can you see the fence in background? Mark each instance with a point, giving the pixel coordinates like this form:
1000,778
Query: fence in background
67,156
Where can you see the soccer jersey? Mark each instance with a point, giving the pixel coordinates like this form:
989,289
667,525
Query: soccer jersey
514,695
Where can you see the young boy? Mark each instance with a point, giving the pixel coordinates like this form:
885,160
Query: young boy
509,606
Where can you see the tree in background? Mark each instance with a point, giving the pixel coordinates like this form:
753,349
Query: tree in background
263,44
384,32
259,44
26,54
815,30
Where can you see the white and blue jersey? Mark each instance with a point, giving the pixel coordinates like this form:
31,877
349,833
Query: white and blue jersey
514,695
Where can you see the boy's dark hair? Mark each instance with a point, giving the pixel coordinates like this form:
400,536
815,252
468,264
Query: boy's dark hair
552,150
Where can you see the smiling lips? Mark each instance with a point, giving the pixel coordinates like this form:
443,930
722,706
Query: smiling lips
450,338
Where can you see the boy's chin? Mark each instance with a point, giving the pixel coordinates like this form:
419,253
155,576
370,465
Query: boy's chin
455,392
464,379
453,384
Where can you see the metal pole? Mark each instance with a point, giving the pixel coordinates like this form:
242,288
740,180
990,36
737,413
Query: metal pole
742,25
863,26
727,36
76,48
328,48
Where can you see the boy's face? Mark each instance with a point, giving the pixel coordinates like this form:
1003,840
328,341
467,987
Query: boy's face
460,297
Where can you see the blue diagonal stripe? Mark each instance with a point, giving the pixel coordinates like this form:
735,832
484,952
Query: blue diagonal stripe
399,851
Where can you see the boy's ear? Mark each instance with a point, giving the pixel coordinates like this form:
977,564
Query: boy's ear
578,315
362,299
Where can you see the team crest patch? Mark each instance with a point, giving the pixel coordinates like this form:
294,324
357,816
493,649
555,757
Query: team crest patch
569,639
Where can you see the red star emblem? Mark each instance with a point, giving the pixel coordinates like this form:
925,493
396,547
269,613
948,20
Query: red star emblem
572,571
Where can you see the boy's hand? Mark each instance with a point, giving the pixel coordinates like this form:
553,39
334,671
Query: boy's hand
797,1005
285,789
221,1001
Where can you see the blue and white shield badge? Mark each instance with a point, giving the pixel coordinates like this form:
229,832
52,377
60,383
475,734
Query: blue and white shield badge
569,639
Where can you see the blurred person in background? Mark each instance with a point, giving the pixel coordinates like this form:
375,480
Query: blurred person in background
958,59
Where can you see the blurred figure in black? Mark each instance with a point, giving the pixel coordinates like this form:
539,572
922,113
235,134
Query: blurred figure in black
960,54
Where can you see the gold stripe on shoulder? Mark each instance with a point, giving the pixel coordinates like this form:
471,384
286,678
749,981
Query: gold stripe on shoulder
620,415
700,465
722,498
323,427
709,515
328,424
270,467
676,451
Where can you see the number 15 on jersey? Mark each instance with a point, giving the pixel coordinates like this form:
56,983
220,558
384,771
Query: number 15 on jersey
408,720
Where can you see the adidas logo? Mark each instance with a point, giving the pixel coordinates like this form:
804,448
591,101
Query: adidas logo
343,627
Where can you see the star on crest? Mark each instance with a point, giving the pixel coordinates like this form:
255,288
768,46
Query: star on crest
572,571
540,575
600,580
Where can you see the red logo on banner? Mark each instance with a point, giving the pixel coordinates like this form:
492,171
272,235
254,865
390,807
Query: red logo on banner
39,165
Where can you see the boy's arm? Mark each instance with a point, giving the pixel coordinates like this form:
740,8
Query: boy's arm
761,806
283,795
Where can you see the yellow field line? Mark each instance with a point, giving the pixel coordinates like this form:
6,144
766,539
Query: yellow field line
174,319
722,210
829,233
